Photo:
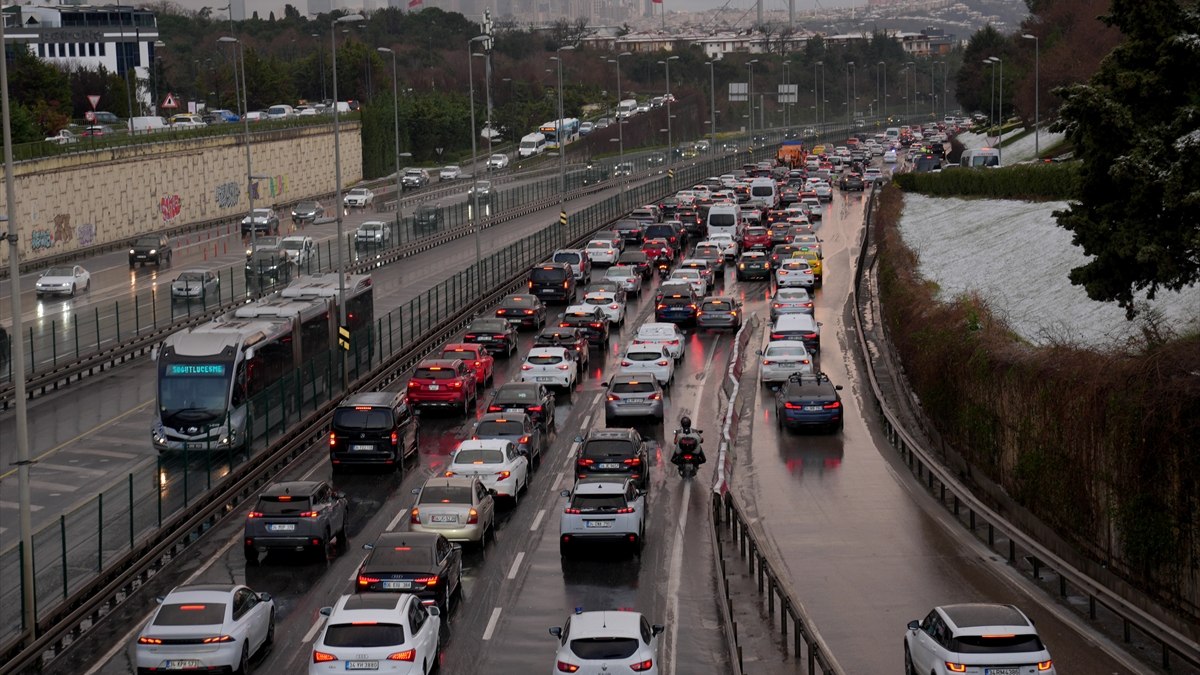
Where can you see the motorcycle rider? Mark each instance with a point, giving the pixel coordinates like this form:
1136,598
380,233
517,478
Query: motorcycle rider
693,438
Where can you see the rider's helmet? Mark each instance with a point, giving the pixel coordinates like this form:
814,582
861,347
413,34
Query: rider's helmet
686,423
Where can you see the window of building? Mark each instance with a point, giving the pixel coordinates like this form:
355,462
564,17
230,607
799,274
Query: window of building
71,48
102,49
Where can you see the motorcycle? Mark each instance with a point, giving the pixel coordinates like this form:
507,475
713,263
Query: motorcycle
688,455
664,270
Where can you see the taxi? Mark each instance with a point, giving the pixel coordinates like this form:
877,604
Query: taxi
813,256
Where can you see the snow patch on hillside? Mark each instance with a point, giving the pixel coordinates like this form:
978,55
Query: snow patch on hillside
1020,150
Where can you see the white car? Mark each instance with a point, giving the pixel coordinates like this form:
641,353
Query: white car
666,334
649,359
63,137
815,208
588,632
299,248
549,366
781,358
794,272
497,161
206,627
889,156
450,172
374,233
608,302
791,301
63,280
824,192
602,252
602,509
628,277
495,462
380,633
873,175
729,247
694,278
359,198
975,638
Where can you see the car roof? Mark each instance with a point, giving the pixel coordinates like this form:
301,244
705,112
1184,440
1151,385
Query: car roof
609,432
292,487
372,398
438,363
546,351
596,485
450,481
369,607
980,615
200,591
497,444
606,623
503,417
645,347
410,539
657,328
795,321
631,377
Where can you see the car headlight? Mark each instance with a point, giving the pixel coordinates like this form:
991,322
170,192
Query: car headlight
153,251
131,251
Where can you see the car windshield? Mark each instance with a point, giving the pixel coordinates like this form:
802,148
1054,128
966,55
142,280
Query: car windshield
60,272
605,648
190,276
516,396
479,456
147,242
566,257
363,418
717,306
306,206
358,191
488,326
364,635
632,387
282,505
435,373
490,428
787,350
293,245
1005,644
609,502
642,356
191,614
412,172
674,301
551,275
604,448
599,244
446,494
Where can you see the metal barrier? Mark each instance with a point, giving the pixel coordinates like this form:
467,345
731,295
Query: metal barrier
958,500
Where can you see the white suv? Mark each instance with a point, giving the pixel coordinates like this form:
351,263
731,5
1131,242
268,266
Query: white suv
551,366
603,508
379,632
975,638
594,642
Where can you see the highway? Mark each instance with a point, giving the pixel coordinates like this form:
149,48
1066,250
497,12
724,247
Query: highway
865,549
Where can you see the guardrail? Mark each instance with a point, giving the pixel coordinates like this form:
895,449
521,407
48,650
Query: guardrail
83,576
944,486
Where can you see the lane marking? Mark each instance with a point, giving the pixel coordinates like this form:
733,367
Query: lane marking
558,482
395,521
491,624
15,505
95,473
106,453
316,628
126,641
50,487
587,419
85,434
516,566
537,520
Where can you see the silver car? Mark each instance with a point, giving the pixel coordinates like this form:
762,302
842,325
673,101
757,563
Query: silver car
296,516
628,277
458,508
631,395
791,301
196,286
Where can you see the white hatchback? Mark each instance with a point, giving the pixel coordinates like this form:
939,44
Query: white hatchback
592,643
650,359
206,627
495,462
608,302
549,366
729,247
781,358
694,278
377,632
602,252
628,277
794,272
665,334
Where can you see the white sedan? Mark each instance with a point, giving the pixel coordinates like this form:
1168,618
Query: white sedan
549,366
496,462
450,172
694,278
602,252
781,358
63,280
666,334
359,198
729,246
794,272
628,277
206,627
387,633
608,302
889,157
649,359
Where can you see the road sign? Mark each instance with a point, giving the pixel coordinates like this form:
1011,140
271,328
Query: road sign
344,338
94,99
739,91
89,116
789,93
170,103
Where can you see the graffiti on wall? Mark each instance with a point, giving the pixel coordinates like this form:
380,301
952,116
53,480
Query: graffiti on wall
61,232
85,234
269,188
41,239
170,207
227,195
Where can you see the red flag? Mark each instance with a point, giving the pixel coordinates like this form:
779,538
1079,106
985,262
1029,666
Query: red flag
413,3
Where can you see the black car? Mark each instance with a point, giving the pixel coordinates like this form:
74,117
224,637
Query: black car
522,309
428,217
425,564
591,322
851,182
680,307
566,336
150,248
669,231
693,224
753,265
307,212
631,231
553,282
529,398
613,451
669,206
516,427
782,252
268,267
638,260
375,428
809,400
497,336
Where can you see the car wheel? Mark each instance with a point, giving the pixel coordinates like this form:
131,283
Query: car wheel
343,541
466,409
778,419
244,662
251,555
564,550
327,547
516,496
908,664
270,639
445,601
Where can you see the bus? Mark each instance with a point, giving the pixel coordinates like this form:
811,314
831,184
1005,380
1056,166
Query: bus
360,296
318,333
980,158
570,129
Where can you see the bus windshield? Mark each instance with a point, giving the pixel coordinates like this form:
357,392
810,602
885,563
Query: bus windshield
191,392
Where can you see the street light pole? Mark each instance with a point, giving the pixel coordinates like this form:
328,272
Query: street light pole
620,128
1037,121
245,104
849,65
787,123
750,97
817,101
395,122
712,92
884,95
337,177
321,57
474,157
992,110
670,143
1000,114
562,137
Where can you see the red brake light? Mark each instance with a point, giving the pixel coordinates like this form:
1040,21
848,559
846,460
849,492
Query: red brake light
524,366
533,408
503,474
428,581
415,516
585,462
654,396
309,514
523,440
254,514
564,667
633,461
322,657
333,436
660,363
626,363
643,665
365,580
149,641
494,408
833,406
472,519
406,655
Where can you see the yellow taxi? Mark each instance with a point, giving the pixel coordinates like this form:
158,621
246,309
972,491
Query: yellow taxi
813,256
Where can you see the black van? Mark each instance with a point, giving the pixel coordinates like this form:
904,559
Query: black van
376,427
553,282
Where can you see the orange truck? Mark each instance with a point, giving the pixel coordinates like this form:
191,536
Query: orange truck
791,153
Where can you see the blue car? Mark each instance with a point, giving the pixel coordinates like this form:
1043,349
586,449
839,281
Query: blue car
809,400
676,308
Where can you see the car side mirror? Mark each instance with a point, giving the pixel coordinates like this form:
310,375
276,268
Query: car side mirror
264,597
339,495
838,387
564,493
368,547
914,625
492,492
759,352
579,439
433,610
160,599
556,631
416,491
820,324
326,611
604,385
657,629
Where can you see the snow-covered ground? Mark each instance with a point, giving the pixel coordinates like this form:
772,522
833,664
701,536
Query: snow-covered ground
1021,150
1013,254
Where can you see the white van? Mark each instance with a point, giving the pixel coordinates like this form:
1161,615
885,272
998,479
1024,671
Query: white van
146,125
280,112
892,133
764,193
627,108
725,219
532,144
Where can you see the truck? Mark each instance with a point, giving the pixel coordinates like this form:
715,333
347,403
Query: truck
532,144
791,153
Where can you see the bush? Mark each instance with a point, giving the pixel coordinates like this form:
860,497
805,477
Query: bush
1035,182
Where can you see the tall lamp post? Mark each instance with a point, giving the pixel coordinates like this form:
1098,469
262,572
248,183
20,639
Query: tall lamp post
992,110
158,44
882,96
620,127
1000,113
1037,86
750,97
666,63
474,143
321,57
849,123
816,90
910,94
245,105
712,92
339,205
787,66
395,122
562,137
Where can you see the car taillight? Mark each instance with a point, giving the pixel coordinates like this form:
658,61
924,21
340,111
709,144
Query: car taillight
322,657
503,474
472,517
534,408
457,384
415,516
625,509
776,305
642,665
833,406
660,363
217,639
633,461
566,284
528,312
469,336
1045,665
776,336
529,283
654,396
254,514
614,306
308,514
660,306
406,655
585,462
364,580
525,366
956,667
810,336
149,641
333,436
428,581
612,397
494,408
564,667
501,311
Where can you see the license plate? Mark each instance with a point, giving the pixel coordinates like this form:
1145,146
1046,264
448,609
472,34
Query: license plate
281,527
358,446
196,446
631,401
1002,671
443,519
608,465
815,408
483,338
181,664
598,523
434,387
396,585
514,410
544,379
362,665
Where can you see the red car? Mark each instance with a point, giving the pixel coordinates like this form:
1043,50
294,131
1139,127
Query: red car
756,238
446,383
653,248
477,359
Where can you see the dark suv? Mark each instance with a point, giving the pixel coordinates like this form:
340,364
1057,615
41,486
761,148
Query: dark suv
268,267
809,399
150,248
613,451
296,516
553,282
673,233
373,428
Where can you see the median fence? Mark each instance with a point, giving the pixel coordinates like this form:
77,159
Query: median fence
91,544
